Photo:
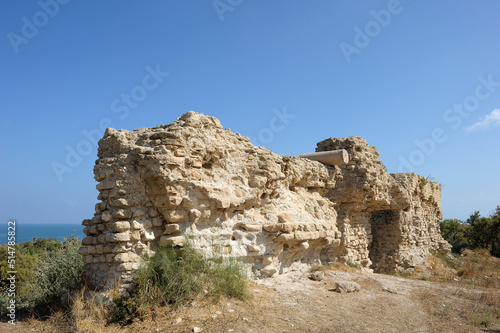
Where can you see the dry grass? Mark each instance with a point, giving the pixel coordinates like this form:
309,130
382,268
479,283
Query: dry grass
90,312
475,296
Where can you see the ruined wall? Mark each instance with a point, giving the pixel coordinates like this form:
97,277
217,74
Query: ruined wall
273,212
402,238
388,221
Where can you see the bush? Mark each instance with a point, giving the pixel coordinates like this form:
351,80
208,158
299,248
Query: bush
353,264
45,271
177,276
477,233
454,232
58,271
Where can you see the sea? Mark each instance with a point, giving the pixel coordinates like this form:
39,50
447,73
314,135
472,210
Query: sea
26,232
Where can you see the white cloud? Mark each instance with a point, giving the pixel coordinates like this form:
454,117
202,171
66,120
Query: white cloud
490,120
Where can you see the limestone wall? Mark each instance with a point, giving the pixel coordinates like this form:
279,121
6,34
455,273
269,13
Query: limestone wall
192,177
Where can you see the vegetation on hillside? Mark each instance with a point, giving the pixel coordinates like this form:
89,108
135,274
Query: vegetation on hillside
45,271
49,282
476,233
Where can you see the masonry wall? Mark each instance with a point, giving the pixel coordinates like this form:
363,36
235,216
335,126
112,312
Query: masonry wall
274,212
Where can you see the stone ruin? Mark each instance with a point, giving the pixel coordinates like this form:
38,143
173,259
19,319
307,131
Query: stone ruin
275,213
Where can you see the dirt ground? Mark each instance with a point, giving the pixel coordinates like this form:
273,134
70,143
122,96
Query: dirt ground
294,303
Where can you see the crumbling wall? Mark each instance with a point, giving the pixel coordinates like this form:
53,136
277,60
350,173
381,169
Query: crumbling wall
388,221
402,238
192,177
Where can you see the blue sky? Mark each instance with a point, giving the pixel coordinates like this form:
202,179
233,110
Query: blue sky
418,79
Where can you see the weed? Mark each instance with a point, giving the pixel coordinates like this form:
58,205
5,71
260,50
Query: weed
422,182
352,264
53,269
442,311
177,276
89,311
451,260
482,316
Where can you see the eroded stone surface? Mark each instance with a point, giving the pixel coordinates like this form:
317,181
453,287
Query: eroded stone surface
273,212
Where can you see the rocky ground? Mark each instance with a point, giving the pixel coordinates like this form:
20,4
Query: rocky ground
295,303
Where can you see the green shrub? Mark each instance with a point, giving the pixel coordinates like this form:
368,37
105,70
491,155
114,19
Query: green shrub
229,279
177,276
353,264
59,269
45,270
477,233
454,232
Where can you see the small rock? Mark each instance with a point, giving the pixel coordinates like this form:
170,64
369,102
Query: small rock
317,276
390,290
268,271
197,329
347,286
176,321
244,319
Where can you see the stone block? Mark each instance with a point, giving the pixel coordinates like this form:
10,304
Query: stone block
106,216
118,237
127,267
346,286
273,227
106,184
157,221
123,213
121,226
147,236
172,241
99,249
285,217
176,215
268,271
252,227
172,229
120,203
152,212
135,235
194,214
253,248
139,212
135,225
285,238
